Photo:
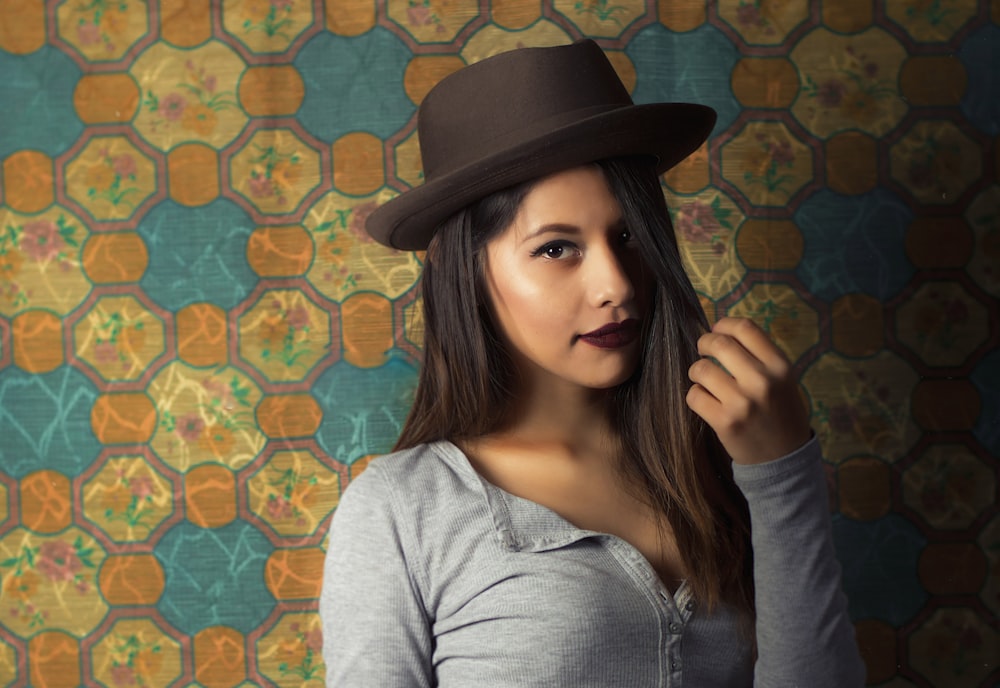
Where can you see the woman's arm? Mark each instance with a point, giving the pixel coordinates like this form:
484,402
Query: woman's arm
749,397
804,636
375,631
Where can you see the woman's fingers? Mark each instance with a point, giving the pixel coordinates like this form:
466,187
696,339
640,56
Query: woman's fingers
754,341
745,390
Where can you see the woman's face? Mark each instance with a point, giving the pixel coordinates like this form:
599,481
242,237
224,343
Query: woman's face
566,283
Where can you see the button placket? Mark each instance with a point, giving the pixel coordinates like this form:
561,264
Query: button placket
644,575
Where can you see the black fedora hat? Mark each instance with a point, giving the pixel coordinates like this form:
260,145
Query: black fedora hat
521,115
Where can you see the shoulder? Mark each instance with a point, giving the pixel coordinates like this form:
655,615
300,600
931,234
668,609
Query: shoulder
413,470
410,485
424,506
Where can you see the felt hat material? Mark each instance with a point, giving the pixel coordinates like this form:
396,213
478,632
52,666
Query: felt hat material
521,115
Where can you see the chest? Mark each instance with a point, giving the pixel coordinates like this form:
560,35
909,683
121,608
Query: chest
611,509
591,496
581,611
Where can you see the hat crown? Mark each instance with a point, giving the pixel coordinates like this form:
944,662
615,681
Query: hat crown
522,115
495,103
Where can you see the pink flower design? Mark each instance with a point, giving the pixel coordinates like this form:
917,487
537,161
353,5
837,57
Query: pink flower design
123,675
359,215
282,4
172,107
782,153
697,222
260,186
314,640
210,83
105,352
279,507
57,560
88,34
748,15
219,390
298,317
830,93
842,418
124,165
41,240
419,15
189,427
143,486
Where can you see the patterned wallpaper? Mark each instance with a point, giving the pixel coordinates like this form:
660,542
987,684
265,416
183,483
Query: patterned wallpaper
200,347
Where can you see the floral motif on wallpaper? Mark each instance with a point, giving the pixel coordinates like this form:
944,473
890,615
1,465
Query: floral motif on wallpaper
40,261
50,582
849,82
188,95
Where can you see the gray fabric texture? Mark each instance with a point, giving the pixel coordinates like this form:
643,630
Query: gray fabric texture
435,577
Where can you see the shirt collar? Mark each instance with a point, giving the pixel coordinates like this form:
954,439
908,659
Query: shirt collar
522,525
526,526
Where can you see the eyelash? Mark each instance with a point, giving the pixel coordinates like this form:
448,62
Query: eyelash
624,237
544,249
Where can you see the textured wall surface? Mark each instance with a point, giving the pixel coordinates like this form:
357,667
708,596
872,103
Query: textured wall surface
199,346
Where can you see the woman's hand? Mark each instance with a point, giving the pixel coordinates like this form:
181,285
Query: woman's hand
749,396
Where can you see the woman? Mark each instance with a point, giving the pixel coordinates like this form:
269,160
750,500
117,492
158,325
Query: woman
573,492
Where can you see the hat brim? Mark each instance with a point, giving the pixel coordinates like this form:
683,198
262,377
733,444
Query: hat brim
669,132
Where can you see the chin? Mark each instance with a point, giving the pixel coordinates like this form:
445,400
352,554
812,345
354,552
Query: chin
610,381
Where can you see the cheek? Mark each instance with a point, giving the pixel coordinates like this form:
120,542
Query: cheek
530,312
523,307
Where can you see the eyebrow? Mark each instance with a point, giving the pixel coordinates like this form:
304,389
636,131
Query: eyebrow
563,228
551,228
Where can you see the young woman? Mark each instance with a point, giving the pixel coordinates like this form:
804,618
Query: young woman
593,487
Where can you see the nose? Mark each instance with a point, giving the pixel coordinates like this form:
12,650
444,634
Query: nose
609,281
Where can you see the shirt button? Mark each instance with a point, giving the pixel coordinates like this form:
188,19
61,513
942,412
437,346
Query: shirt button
675,627
690,605
674,664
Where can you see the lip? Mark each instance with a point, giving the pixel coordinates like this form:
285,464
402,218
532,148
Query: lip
614,335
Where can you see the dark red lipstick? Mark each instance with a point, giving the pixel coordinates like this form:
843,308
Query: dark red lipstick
613,335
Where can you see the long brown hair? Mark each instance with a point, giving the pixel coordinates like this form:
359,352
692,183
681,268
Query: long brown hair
676,461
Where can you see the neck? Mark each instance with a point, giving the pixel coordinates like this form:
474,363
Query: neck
556,414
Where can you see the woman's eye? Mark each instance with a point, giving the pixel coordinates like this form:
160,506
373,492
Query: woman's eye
554,250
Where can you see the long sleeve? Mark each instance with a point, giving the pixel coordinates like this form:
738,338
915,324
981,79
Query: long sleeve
804,636
375,631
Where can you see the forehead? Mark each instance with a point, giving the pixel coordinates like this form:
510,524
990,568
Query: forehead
578,198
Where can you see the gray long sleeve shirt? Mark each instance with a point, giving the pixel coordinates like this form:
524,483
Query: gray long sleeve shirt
435,577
